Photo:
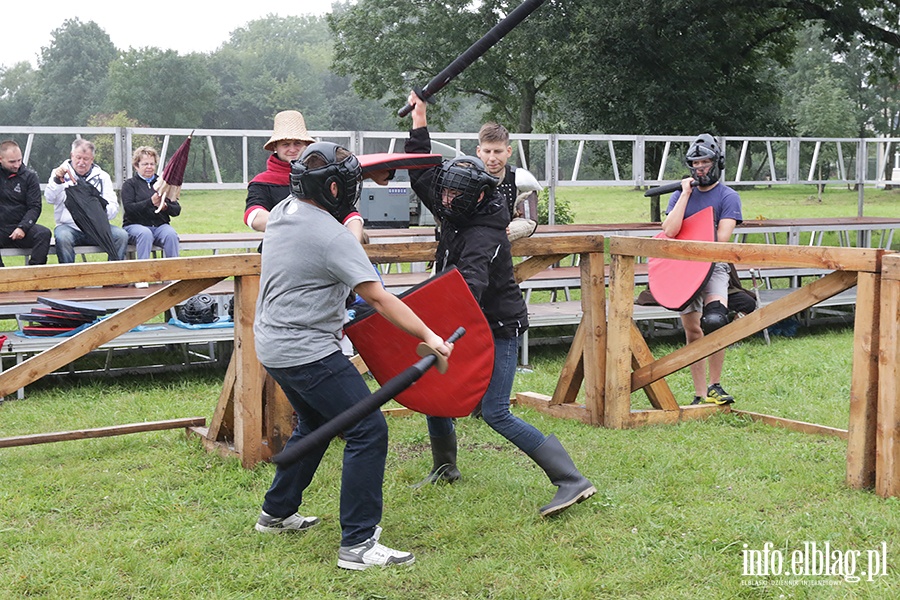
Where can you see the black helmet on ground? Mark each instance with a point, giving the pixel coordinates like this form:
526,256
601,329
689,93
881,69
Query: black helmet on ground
199,309
462,181
703,147
320,165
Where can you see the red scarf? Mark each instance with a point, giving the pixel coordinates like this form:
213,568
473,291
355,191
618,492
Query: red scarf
277,172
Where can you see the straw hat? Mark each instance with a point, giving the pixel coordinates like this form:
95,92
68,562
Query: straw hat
289,125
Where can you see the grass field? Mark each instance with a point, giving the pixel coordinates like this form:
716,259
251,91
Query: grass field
679,508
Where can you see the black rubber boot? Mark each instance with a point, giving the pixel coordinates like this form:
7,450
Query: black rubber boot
573,486
443,454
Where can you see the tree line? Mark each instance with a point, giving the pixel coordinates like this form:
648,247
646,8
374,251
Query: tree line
674,67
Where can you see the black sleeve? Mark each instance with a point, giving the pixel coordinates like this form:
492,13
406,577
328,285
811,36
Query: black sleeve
32,200
419,142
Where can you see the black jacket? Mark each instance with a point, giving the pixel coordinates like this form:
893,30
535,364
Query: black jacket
479,248
20,199
139,209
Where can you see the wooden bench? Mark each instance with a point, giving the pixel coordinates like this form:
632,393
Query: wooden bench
154,335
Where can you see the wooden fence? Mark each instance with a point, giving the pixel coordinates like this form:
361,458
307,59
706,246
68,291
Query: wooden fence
608,357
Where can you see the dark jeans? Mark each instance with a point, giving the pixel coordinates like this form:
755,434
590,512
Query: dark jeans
318,392
67,237
495,404
37,238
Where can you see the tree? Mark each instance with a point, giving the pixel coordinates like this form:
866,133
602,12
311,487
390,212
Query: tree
392,46
155,85
73,71
18,93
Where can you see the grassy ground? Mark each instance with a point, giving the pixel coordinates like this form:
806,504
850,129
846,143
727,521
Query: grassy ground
153,515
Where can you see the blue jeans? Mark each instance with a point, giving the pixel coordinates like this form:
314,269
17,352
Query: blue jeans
67,237
495,404
318,392
143,237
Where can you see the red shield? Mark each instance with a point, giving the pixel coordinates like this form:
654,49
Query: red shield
443,303
674,283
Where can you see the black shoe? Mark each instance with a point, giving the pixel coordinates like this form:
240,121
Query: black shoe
717,395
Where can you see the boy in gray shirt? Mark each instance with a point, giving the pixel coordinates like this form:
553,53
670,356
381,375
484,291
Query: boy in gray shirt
310,263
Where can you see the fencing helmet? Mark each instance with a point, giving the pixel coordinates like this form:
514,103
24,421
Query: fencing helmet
463,179
199,309
703,147
322,164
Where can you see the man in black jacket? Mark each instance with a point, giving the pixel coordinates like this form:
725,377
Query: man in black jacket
20,206
463,197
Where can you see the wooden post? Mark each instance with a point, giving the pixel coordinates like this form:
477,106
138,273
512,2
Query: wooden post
864,384
248,390
618,341
887,453
593,321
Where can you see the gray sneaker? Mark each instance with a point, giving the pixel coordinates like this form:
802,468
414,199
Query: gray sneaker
296,522
372,554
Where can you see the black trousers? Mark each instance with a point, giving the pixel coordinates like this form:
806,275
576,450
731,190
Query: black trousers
37,239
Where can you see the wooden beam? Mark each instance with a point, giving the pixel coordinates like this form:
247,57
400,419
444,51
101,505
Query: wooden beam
641,418
803,298
823,257
278,418
659,393
593,306
99,432
248,392
222,425
533,265
618,342
72,275
887,442
98,334
864,384
572,373
563,411
793,425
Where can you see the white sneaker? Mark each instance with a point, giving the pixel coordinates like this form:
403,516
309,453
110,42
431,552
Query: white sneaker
296,522
372,554
141,284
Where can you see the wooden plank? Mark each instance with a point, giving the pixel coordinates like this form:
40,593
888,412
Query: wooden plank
278,418
793,425
532,266
659,393
803,298
96,335
248,392
222,425
82,434
359,363
864,384
641,418
572,373
558,244
562,411
824,257
73,275
618,342
887,437
593,305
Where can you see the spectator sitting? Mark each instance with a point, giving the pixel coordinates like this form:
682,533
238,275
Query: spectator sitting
20,206
68,235
144,221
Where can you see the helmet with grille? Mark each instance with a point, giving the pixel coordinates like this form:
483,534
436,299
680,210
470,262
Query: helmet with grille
199,309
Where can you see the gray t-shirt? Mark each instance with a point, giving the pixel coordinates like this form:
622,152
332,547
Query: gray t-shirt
310,262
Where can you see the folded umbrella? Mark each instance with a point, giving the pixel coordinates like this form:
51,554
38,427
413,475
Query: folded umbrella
169,184
88,209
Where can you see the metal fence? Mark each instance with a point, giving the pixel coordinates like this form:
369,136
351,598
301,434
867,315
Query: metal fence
227,159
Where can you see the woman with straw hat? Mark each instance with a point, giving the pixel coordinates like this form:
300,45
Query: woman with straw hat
289,139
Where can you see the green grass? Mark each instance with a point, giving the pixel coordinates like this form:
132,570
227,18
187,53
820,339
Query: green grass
153,515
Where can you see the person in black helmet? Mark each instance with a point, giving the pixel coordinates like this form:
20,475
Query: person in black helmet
473,215
310,265
709,310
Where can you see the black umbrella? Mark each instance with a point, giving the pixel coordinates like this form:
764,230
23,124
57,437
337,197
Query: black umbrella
88,209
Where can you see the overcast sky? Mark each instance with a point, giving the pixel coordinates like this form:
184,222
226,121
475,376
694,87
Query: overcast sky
181,25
